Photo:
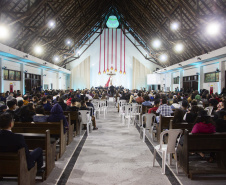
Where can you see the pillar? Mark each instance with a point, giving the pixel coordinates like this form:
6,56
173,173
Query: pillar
42,78
200,78
171,83
181,79
221,76
1,77
22,81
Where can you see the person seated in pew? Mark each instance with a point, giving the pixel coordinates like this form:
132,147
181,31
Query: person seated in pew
27,112
56,115
46,104
185,106
175,104
164,109
26,100
203,123
154,109
3,108
192,114
20,104
221,122
62,104
75,105
146,101
10,142
84,107
40,114
178,116
11,109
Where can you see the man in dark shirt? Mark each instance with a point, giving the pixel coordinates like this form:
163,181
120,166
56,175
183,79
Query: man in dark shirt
10,142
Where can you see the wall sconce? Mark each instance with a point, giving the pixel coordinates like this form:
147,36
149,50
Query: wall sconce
4,67
25,71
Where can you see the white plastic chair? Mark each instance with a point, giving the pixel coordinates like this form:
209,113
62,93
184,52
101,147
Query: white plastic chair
128,114
209,110
168,148
96,109
149,124
136,111
103,107
86,120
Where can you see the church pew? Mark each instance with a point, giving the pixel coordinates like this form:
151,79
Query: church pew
164,123
215,142
49,148
14,164
145,109
182,126
56,129
74,120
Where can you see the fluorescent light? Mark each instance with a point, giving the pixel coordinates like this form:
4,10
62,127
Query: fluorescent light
213,28
38,50
163,57
179,47
174,26
4,32
156,43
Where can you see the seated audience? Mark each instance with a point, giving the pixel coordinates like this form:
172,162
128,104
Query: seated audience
62,104
203,123
27,112
154,109
10,97
147,101
11,109
40,114
139,99
191,115
46,104
10,142
19,97
74,105
164,109
20,104
3,108
26,100
175,104
56,115
221,122
178,116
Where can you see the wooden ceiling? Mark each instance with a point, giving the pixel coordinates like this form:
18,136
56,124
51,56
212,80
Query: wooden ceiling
145,20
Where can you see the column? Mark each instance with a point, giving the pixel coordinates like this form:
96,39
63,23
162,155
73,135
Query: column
201,78
57,80
42,78
221,83
22,81
181,79
1,77
171,83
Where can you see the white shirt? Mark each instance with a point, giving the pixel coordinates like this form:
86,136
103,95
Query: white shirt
19,98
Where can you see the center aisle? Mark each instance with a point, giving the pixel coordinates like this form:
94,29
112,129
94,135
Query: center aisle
115,154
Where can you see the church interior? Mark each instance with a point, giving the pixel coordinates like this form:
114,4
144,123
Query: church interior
106,92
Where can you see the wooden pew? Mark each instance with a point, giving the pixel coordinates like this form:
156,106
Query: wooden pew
74,119
182,126
215,142
15,165
49,148
164,123
145,109
56,129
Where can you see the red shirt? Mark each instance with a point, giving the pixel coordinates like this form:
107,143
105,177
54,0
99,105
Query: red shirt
203,128
153,109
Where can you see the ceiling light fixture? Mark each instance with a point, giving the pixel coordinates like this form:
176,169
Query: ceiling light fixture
38,50
174,26
51,24
179,47
163,57
213,28
156,43
56,58
4,32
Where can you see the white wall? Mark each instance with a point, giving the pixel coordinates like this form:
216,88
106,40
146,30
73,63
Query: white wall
119,79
